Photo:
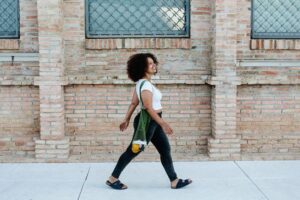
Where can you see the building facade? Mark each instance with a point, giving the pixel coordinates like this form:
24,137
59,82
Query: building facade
230,88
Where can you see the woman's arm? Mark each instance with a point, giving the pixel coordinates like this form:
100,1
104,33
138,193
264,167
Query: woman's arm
147,101
132,106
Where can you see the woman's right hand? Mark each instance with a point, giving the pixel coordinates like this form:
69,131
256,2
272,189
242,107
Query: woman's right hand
124,125
166,128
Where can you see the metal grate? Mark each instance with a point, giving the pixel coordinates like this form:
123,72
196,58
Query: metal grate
137,18
9,19
275,19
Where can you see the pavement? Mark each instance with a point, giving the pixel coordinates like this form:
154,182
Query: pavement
212,180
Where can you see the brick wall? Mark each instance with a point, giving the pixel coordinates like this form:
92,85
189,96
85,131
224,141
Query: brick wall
267,51
92,120
227,97
267,102
268,121
19,122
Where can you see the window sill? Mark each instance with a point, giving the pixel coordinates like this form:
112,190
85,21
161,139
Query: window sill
274,44
8,44
139,43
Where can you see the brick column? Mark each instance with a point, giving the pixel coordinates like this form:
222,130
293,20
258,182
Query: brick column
53,146
224,142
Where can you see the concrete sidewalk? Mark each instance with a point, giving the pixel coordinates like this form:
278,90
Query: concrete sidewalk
212,180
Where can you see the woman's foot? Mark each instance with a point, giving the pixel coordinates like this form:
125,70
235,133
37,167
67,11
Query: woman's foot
115,183
179,183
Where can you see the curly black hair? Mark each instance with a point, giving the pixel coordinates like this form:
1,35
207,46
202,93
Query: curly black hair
137,65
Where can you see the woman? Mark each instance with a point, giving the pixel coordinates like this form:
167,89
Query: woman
142,67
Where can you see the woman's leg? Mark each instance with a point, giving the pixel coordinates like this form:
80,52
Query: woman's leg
123,161
128,155
161,143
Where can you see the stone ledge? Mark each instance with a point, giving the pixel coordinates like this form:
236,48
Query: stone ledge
48,80
220,80
19,57
165,80
267,63
17,80
162,79
95,79
267,80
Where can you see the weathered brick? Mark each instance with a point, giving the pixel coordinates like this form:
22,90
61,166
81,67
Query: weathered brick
224,93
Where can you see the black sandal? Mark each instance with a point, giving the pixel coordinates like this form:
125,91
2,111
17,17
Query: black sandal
181,183
116,185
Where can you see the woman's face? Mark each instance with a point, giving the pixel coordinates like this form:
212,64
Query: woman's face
151,66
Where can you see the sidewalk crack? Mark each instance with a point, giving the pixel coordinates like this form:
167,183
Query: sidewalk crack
252,181
84,183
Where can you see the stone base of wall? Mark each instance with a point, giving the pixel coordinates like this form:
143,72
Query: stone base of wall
145,158
224,148
271,156
52,150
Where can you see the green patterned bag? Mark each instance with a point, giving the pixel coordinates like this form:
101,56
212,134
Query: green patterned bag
139,139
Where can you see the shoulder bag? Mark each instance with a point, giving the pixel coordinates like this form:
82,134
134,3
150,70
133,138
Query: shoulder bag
139,139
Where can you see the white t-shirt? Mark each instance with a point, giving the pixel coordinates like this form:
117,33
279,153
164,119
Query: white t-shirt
156,94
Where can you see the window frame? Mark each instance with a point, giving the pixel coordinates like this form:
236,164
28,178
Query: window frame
17,35
267,35
186,35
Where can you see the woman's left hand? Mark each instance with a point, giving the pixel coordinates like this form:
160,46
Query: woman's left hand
124,125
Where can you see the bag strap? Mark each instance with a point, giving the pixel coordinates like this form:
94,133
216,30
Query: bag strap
142,105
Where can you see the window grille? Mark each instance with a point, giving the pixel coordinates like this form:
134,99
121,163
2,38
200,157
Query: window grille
9,19
275,19
137,18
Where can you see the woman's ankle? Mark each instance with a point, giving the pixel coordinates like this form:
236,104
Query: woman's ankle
174,180
112,178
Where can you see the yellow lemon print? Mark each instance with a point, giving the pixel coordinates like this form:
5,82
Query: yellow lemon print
135,148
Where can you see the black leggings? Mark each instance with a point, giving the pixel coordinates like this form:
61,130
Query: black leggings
159,139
